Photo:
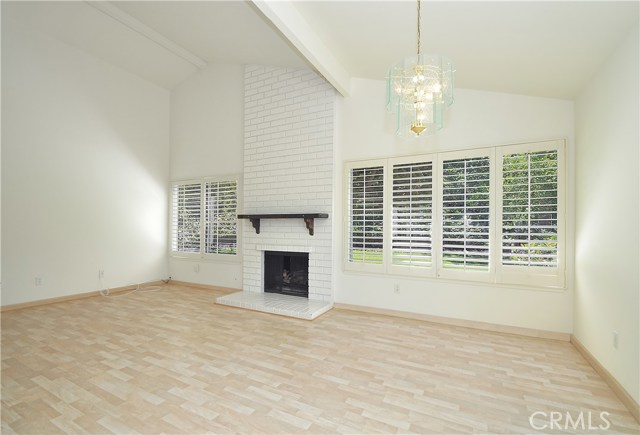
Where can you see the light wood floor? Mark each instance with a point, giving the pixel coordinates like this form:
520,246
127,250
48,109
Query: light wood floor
171,361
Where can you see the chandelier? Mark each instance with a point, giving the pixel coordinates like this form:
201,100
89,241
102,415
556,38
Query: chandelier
418,90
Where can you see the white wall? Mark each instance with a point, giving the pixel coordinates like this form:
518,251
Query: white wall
85,161
607,221
206,140
476,119
0,172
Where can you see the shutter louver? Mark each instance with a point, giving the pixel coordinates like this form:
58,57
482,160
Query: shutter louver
412,214
185,225
530,209
366,215
220,229
465,214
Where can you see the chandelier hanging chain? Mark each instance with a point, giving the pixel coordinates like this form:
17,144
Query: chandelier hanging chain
418,27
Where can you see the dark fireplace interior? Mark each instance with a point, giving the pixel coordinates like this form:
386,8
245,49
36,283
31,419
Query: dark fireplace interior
286,273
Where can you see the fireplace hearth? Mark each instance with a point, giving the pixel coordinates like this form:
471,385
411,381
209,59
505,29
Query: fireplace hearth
286,273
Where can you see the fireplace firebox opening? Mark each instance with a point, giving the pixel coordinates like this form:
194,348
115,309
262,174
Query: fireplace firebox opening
286,273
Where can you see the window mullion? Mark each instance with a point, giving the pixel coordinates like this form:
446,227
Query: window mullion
203,217
218,216
436,226
529,208
496,201
464,215
494,246
387,216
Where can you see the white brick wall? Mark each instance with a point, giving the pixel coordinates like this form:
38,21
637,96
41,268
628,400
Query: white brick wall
288,168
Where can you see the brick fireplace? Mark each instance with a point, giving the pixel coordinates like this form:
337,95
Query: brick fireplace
288,168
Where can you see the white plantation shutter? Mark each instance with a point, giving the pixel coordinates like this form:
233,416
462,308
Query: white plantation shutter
530,209
186,217
203,218
492,215
220,230
465,235
365,221
412,205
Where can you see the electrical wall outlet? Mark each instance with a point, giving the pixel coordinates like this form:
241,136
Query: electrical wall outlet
38,280
615,339
396,288
196,268
100,274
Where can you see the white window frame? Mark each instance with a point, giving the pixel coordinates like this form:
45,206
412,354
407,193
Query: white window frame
361,266
467,275
173,216
202,255
497,274
388,222
532,275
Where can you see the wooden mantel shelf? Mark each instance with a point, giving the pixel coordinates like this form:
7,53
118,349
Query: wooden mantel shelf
309,218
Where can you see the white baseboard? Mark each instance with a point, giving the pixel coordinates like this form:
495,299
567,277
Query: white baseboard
460,322
618,389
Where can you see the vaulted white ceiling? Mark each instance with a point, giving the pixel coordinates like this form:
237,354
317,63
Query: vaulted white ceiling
539,48
543,48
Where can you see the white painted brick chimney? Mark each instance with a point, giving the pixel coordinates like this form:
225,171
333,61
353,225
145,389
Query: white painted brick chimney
288,168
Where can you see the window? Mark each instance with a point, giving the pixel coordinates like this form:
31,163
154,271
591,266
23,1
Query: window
365,232
465,214
489,215
204,217
530,209
532,206
186,216
221,217
412,216
465,243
